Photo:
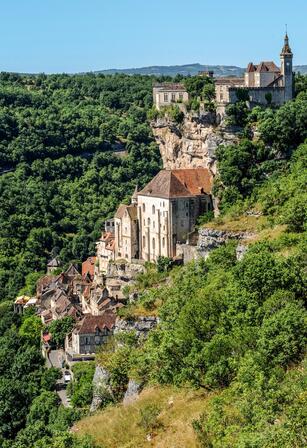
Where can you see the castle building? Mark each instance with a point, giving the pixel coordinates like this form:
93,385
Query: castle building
169,93
265,83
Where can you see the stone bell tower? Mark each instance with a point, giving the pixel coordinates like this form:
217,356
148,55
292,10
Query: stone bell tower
286,58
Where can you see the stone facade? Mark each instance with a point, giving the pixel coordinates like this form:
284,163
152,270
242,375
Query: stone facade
264,83
169,93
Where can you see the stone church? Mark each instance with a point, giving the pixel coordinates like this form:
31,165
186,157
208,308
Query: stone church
162,214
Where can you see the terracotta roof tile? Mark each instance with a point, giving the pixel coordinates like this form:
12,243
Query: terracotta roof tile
179,183
90,323
88,266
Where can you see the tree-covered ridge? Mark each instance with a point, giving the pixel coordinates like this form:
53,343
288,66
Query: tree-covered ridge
59,135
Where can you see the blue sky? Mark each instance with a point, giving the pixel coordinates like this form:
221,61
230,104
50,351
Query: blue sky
83,35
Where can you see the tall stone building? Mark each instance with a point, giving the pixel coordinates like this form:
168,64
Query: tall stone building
161,215
264,82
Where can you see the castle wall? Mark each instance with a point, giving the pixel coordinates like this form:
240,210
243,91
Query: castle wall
258,95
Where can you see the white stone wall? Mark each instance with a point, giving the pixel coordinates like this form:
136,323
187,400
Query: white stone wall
154,227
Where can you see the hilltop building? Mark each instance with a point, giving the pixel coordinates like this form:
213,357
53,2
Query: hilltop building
264,83
169,93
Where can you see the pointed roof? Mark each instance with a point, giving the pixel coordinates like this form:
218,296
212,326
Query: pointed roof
179,183
130,209
90,323
134,197
286,50
54,263
267,66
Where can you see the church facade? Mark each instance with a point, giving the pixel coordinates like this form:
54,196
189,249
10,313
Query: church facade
161,215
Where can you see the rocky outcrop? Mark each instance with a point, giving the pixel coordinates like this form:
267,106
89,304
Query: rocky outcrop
210,239
192,143
132,392
102,393
141,325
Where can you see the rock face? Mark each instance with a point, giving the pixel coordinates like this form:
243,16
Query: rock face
132,392
141,326
191,144
101,389
210,239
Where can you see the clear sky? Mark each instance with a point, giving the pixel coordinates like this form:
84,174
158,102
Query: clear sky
83,35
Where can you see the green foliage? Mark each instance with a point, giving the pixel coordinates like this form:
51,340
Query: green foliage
237,114
164,264
175,114
149,417
60,328
199,87
30,329
80,388
59,140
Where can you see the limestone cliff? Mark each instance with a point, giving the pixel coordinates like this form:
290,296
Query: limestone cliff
192,143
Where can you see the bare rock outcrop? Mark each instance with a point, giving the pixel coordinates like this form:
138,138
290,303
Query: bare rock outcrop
132,392
191,144
102,392
210,239
141,325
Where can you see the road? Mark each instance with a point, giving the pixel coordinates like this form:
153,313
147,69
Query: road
56,358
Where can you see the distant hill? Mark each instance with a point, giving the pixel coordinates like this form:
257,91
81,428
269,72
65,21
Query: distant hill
188,69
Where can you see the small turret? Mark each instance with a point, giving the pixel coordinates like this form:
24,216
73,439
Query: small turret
134,197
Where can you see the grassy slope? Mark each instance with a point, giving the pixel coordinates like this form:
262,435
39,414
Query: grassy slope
119,427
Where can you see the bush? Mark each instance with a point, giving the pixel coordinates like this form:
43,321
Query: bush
149,417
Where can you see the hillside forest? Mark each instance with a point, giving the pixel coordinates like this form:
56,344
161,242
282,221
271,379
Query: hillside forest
72,148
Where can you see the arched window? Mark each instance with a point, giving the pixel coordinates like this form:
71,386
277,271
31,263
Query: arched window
148,221
153,209
163,242
143,207
144,241
153,244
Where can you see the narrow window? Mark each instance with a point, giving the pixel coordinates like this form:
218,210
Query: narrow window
163,242
153,244
165,97
144,242
148,221
143,207
153,209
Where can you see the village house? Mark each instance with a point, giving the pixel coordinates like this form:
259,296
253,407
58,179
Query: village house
88,267
53,265
126,230
23,302
88,335
169,93
264,83
105,251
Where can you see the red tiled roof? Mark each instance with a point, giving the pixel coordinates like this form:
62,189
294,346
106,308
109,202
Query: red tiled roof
179,183
267,66
88,266
90,323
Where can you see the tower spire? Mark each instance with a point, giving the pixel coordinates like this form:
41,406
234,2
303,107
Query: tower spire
286,48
